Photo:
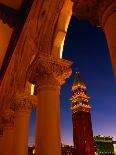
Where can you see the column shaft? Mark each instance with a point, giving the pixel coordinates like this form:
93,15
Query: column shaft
7,141
110,32
22,106
48,122
48,74
21,127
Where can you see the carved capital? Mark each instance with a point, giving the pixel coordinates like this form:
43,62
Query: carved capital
96,11
23,103
7,119
47,70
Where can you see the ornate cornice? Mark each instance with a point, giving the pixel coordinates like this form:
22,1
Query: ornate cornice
96,11
47,70
81,107
23,103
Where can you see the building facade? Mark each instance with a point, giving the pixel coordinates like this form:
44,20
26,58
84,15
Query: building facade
104,145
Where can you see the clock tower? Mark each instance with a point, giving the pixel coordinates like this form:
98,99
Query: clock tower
81,118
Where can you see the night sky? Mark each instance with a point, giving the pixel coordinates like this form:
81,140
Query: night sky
86,46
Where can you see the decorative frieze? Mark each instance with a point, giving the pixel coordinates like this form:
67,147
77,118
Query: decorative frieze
47,70
94,10
81,107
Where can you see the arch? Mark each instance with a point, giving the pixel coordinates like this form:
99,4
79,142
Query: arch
61,29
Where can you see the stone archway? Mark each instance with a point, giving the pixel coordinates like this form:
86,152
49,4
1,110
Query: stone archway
61,29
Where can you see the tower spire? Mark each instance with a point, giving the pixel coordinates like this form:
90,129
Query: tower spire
78,82
77,77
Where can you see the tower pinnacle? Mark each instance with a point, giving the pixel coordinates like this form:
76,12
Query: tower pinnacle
80,99
78,83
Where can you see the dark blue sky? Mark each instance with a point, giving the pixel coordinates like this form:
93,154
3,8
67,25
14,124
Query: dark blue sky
86,46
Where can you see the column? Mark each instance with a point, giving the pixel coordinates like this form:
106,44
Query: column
22,106
8,133
48,74
108,22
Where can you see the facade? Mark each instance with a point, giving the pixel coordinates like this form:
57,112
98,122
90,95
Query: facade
81,118
103,145
68,150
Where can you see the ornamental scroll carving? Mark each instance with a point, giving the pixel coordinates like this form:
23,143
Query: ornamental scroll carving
24,103
47,70
93,10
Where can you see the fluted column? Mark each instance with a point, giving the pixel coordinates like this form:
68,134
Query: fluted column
48,74
8,133
22,106
100,13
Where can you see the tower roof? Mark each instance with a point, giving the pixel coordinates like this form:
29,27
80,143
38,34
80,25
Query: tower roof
78,83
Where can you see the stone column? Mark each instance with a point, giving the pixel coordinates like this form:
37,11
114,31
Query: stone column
8,133
48,74
100,13
22,106
108,22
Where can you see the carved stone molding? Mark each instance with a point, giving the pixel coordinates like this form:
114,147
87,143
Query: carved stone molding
47,70
23,103
94,10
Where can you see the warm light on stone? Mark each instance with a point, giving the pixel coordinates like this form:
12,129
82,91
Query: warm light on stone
48,74
37,58
61,49
32,89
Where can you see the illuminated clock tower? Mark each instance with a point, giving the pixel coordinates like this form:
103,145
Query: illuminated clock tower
81,117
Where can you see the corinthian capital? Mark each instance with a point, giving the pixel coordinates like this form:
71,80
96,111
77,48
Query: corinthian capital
7,119
94,10
47,70
23,103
